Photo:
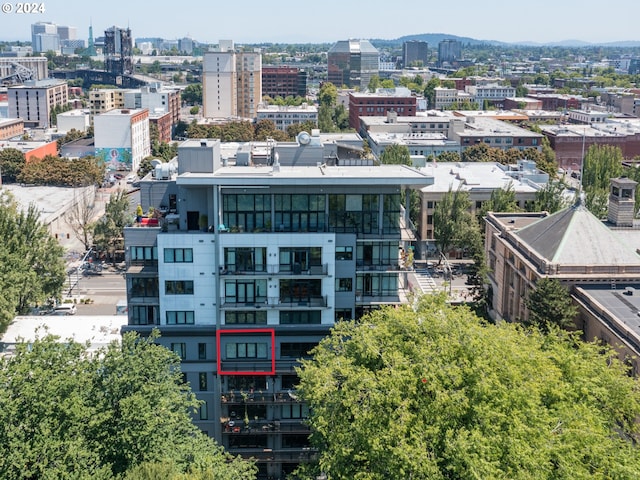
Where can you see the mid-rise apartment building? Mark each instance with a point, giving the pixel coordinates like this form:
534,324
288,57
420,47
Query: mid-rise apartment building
285,116
102,100
384,100
284,82
231,82
122,138
251,267
415,53
35,99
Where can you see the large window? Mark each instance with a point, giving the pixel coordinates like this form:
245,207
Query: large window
344,253
391,215
245,291
178,255
178,287
144,287
246,382
300,290
180,318
141,254
300,317
247,212
245,259
300,213
144,315
354,213
296,349
246,318
300,259
295,410
375,285
246,350
377,254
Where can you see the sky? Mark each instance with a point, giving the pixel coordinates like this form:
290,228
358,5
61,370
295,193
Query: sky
290,21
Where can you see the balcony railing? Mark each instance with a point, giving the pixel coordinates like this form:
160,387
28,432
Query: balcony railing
238,427
290,455
231,303
237,398
284,270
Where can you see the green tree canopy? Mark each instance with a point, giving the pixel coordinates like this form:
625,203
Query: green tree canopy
550,306
451,217
12,162
433,393
396,154
108,231
62,172
31,264
192,94
124,411
550,198
601,164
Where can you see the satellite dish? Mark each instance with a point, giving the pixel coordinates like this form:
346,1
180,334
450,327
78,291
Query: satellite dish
304,138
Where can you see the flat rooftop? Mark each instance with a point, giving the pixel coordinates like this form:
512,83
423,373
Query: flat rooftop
99,330
49,201
309,175
471,176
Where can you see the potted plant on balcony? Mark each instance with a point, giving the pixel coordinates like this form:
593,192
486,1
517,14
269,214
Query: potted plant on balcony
203,222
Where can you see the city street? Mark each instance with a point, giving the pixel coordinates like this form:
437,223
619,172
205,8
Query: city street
104,290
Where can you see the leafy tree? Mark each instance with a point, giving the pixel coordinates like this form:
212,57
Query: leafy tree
70,136
374,83
12,162
431,392
550,306
294,129
62,172
480,152
430,92
31,264
125,411
449,157
327,99
501,200
450,218
550,198
108,231
396,154
267,129
601,163
192,94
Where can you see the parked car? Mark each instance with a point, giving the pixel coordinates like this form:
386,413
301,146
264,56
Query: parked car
131,178
65,309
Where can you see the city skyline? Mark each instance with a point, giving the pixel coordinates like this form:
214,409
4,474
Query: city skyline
290,22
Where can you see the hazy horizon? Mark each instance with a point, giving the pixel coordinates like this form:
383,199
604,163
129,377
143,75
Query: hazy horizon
287,21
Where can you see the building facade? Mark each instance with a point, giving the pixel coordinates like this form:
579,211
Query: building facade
285,116
118,50
35,99
381,102
251,270
11,127
122,138
157,99
352,63
415,53
104,99
449,51
231,83
284,82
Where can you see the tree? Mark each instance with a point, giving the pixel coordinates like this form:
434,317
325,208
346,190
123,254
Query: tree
601,163
396,154
12,162
31,264
550,198
550,306
449,157
123,411
450,217
108,231
434,393
501,200
62,172
327,99
480,152
374,83
192,94
81,215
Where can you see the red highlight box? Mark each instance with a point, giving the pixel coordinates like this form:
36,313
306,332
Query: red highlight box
238,331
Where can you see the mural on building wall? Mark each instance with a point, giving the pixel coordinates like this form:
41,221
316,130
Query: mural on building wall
115,158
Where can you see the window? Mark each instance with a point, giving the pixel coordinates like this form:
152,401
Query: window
246,350
245,259
178,255
296,349
144,315
343,314
344,284
344,253
178,287
180,318
202,351
245,318
295,410
300,317
144,287
143,253
243,382
179,349
245,291
202,381
204,411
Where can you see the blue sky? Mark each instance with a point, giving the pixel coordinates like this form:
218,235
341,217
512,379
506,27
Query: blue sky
253,21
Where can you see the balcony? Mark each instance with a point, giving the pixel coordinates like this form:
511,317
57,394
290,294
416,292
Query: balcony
288,455
380,267
238,427
232,303
266,398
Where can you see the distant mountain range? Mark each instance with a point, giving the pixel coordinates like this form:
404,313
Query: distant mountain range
435,38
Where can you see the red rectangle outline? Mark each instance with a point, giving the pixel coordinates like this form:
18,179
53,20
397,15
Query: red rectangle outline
247,331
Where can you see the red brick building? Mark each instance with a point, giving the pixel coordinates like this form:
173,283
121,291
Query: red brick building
284,82
163,121
556,101
378,104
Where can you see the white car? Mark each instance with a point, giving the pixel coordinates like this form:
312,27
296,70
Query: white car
131,178
65,309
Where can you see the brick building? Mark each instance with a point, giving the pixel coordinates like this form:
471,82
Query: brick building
377,104
284,82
